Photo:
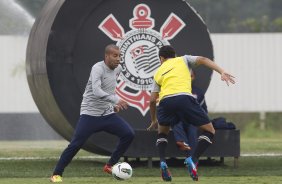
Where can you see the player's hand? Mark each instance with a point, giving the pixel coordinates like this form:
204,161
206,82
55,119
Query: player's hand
153,125
116,108
228,78
121,105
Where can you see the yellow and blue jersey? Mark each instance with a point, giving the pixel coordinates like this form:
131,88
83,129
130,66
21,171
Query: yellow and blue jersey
168,79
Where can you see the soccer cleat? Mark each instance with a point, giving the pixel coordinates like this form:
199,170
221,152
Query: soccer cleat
108,169
56,179
192,168
165,172
183,146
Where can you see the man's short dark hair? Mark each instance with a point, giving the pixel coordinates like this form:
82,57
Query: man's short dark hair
167,51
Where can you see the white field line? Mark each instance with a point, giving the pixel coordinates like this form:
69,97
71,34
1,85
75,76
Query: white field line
106,157
261,154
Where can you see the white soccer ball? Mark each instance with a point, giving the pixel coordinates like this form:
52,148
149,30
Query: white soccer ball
122,171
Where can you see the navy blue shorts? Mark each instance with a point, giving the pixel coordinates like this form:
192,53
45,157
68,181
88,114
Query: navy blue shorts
183,108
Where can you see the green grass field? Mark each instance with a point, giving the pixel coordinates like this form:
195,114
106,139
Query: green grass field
251,170
28,162
31,162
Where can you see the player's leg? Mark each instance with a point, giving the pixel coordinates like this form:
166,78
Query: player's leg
191,112
181,135
118,126
204,140
161,143
166,117
84,129
192,133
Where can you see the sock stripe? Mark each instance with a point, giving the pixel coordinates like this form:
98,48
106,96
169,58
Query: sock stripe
159,140
203,137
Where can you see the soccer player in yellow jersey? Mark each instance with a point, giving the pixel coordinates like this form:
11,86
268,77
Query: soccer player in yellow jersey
172,86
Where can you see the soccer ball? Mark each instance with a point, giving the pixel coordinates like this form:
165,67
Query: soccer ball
122,171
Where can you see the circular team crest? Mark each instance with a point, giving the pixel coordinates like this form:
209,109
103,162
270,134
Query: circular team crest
139,52
139,57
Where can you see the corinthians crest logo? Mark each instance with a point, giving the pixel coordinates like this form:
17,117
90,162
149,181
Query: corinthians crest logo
139,52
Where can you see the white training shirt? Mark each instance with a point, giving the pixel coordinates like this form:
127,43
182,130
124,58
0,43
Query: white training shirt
99,97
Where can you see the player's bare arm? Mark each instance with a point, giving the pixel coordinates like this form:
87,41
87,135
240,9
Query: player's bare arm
153,104
225,76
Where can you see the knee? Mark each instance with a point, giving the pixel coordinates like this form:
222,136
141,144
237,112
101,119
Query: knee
130,135
212,130
76,144
208,128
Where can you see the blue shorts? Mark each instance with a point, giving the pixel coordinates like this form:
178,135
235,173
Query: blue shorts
183,108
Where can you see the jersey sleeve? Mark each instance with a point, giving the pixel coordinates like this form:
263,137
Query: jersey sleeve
190,61
155,87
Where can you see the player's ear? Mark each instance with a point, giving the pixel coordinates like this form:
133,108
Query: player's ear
161,59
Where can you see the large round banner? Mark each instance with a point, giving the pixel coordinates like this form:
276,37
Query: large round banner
69,37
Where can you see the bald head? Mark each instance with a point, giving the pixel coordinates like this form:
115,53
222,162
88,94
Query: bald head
110,48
